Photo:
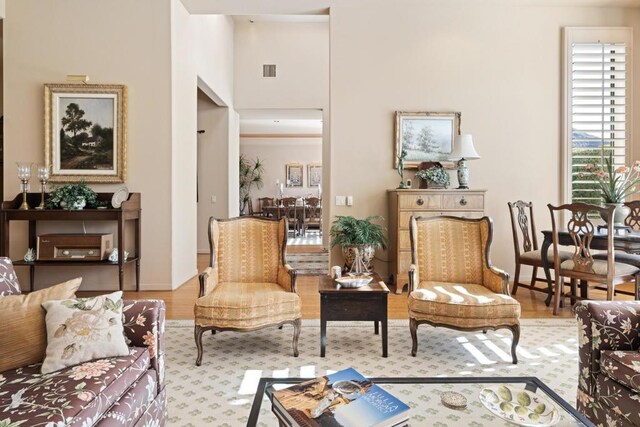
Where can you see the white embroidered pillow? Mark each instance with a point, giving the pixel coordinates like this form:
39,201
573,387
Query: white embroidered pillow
83,329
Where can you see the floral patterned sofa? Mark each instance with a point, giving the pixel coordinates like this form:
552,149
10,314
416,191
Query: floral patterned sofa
609,350
118,391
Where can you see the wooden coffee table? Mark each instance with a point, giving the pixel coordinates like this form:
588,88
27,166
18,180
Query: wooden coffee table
367,303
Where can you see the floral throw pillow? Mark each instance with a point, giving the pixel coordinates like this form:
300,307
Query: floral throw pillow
83,329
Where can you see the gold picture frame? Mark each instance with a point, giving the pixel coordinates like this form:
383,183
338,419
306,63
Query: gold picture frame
427,137
314,174
86,132
295,175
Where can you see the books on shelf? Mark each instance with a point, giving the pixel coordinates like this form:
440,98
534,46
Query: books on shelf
342,399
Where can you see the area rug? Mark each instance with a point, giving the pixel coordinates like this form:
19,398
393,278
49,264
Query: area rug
220,392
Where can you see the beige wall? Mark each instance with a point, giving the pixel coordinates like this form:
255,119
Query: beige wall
202,54
275,154
500,65
39,48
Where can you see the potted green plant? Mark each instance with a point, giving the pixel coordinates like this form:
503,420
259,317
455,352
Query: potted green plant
250,175
72,197
350,233
433,177
615,185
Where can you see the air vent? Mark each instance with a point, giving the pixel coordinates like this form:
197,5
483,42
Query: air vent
268,70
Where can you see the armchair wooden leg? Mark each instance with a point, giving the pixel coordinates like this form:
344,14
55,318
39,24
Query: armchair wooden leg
514,343
610,291
280,327
213,332
413,327
297,324
516,279
534,277
557,294
197,333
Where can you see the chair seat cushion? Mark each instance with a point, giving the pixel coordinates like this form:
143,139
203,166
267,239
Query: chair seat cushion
73,396
458,303
537,255
246,305
623,367
623,258
600,267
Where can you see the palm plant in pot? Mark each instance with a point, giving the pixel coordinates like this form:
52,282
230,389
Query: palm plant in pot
364,234
616,183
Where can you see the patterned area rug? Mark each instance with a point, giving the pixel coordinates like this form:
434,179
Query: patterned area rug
220,392
309,263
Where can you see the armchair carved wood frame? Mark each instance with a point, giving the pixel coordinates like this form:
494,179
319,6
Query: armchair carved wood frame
495,280
286,278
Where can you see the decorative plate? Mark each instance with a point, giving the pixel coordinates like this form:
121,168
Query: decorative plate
119,197
519,406
354,282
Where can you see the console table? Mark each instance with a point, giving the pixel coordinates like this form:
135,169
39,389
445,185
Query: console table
129,211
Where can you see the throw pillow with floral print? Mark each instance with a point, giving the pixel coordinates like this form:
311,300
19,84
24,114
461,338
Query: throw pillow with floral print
83,329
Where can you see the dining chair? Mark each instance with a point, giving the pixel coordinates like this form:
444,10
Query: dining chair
633,219
312,217
582,265
264,202
290,211
525,244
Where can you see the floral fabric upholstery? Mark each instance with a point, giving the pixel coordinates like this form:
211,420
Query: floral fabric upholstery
247,305
117,391
463,305
249,285
453,283
623,367
9,284
607,330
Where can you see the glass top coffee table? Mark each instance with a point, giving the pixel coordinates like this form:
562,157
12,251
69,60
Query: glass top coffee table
423,396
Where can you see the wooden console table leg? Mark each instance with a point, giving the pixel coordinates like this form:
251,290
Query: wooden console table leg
138,252
32,277
376,329
384,338
121,252
4,250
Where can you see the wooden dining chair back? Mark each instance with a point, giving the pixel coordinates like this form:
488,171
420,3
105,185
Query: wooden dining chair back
290,211
265,202
312,217
633,219
582,265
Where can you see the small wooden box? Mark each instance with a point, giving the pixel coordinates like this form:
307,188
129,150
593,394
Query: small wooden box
74,247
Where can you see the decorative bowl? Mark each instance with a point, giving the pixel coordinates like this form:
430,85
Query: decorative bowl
519,406
354,282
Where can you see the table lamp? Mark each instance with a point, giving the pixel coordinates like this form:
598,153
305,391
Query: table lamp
463,150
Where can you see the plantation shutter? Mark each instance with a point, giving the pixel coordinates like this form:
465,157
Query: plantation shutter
598,110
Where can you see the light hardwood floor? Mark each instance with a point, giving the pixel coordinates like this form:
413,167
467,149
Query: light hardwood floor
180,302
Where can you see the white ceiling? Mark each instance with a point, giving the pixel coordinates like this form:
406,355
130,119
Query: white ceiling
321,7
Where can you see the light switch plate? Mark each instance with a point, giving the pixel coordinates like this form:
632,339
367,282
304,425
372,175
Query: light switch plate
341,200
349,200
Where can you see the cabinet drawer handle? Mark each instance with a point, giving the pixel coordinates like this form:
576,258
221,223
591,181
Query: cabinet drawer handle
420,201
463,201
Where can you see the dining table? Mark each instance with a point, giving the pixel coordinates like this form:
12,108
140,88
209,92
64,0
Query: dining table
628,241
302,212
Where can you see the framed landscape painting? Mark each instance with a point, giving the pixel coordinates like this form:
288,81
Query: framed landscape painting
314,175
426,137
295,172
86,132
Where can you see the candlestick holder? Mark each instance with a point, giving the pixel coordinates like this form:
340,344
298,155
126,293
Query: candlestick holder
43,176
24,175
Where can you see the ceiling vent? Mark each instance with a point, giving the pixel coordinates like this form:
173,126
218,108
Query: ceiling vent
268,70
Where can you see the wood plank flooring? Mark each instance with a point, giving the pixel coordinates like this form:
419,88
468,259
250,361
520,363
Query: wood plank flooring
180,302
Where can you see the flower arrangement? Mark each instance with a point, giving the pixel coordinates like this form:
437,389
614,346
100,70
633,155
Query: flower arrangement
434,174
72,197
615,184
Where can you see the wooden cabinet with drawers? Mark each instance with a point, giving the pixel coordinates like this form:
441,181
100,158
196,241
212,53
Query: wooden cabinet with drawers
406,203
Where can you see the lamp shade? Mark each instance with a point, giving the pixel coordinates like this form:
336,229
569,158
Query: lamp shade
463,148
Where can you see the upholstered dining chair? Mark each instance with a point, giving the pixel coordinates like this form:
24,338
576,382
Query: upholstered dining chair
248,284
525,245
452,282
583,265
314,217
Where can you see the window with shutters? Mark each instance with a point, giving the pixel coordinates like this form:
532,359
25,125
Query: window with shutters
597,105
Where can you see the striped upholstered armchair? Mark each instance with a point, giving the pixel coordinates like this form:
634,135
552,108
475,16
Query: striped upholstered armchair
248,285
452,282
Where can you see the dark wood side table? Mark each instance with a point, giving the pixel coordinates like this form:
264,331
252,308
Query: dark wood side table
129,211
367,303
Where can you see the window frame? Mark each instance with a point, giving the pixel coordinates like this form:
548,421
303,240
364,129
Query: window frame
592,35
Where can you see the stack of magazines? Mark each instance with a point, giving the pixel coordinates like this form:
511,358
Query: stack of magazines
344,398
